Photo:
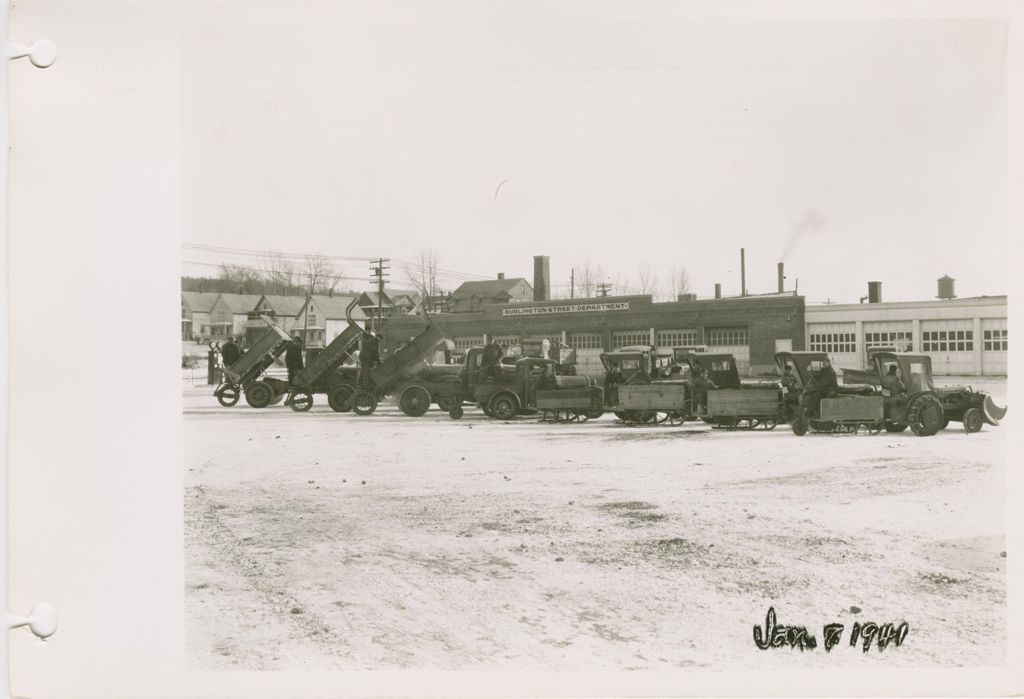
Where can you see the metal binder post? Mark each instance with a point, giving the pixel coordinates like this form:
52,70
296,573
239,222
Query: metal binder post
42,620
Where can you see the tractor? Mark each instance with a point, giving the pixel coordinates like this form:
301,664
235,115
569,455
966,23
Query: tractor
535,387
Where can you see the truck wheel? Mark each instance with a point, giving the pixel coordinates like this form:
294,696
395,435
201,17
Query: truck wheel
259,395
456,412
503,406
364,402
340,398
300,401
227,394
799,426
446,401
973,420
895,427
414,401
925,415
596,408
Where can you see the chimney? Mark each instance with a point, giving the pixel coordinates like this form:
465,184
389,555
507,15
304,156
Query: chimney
501,275
541,278
782,277
743,272
718,291
874,292
946,287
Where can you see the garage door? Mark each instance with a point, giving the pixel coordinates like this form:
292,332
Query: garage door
588,348
735,341
995,346
950,344
838,341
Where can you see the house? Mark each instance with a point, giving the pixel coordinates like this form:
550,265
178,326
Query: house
229,315
473,296
393,302
324,318
280,310
195,314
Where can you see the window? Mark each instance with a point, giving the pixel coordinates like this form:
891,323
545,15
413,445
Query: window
555,339
834,343
727,337
465,342
996,340
506,341
627,338
947,341
311,317
676,338
630,364
902,341
721,365
586,341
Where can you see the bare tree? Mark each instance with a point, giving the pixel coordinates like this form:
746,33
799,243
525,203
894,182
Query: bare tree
648,281
679,280
588,277
423,276
279,273
247,279
319,275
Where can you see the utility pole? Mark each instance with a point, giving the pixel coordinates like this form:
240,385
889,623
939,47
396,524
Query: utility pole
378,268
572,284
603,288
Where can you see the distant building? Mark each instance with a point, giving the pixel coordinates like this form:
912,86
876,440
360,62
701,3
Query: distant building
229,315
963,336
752,327
475,296
324,318
393,302
195,314
280,310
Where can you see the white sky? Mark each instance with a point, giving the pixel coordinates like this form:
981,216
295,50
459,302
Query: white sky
627,132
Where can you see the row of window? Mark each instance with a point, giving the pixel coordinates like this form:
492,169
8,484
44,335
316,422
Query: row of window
947,341
834,343
899,339
996,340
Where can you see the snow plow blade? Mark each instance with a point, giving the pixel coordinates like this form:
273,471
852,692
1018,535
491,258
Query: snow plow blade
993,413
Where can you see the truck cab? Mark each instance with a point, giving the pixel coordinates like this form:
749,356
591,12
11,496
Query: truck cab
721,368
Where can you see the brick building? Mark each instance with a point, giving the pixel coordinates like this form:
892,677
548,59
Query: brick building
751,327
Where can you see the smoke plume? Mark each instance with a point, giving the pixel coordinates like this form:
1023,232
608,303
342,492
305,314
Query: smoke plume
810,222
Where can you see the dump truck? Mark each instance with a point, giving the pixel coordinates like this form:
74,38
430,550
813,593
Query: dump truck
244,376
325,372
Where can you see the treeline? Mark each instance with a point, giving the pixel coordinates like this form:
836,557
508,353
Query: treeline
248,286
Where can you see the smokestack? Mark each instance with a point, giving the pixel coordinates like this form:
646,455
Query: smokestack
743,272
718,291
782,277
874,292
501,275
541,278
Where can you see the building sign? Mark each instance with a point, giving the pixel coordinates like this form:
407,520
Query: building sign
571,308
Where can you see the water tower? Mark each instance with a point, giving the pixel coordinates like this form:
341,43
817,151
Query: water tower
946,287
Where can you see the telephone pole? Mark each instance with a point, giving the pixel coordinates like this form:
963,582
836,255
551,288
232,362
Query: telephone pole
378,268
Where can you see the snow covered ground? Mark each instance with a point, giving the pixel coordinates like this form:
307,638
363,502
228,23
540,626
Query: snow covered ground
330,541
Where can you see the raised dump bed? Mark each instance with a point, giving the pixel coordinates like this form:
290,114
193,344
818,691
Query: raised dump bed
243,375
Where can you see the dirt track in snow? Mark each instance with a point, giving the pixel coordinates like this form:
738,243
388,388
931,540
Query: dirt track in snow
477,545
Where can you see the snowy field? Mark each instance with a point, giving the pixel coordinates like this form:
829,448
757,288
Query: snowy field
328,541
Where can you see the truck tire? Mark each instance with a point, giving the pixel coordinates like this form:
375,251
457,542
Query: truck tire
259,394
799,425
973,420
227,394
925,414
895,426
456,412
364,402
596,408
300,401
503,406
414,401
340,398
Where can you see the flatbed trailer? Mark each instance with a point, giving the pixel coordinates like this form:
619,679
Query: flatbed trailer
655,402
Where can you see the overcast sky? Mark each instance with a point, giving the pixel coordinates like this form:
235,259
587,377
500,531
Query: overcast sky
859,149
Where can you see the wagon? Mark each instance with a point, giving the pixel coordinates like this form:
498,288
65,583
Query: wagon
244,374
566,404
747,408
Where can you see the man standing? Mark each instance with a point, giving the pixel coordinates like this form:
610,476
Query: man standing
824,385
490,359
230,352
293,359
369,357
701,385
892,381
